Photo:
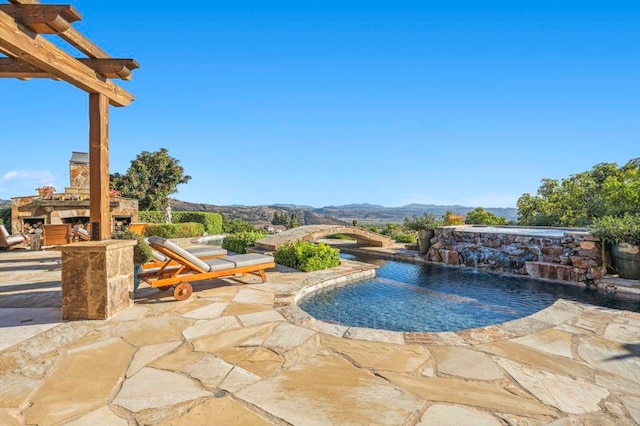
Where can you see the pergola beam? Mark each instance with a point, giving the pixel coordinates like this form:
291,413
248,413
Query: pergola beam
109,68
73,37
22,43
43,19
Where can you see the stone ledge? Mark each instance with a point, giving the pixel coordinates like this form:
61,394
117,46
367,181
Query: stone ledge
99,246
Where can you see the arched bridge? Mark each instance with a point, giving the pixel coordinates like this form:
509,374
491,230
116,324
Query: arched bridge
313,232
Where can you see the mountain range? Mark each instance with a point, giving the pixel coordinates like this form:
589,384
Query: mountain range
345,214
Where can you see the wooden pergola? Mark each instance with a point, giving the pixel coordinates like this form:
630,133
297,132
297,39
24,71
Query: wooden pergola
27,54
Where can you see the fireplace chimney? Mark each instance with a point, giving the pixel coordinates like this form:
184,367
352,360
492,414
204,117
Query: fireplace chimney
78,173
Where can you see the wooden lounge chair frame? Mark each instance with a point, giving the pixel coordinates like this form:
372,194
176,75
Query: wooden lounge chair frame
137,227
186,270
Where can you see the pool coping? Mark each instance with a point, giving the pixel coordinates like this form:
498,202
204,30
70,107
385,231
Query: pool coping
559,312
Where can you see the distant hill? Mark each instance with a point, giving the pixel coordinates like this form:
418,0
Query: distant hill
346,214
329,215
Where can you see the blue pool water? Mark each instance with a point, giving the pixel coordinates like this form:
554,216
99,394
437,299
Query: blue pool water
427,297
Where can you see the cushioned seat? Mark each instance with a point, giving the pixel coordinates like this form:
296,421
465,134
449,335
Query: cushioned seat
8,240
183,267
202,252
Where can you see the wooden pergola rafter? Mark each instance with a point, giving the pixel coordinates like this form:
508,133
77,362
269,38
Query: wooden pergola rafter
30,55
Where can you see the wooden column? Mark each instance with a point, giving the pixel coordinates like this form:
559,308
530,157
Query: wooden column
99,166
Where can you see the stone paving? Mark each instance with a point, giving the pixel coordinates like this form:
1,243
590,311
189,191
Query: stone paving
239,352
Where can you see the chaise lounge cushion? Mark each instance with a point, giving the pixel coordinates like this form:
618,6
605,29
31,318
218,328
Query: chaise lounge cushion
195,251
237,261
7,240
211,265
206,251
180,252
219,264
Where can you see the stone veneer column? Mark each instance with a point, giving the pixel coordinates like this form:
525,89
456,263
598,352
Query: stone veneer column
97,278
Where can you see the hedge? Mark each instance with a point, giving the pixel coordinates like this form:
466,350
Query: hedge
306,256
174,230
150,216
212,222
240,241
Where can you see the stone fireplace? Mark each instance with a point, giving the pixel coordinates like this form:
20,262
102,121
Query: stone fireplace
28,213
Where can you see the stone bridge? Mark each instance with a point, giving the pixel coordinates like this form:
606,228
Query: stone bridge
313,232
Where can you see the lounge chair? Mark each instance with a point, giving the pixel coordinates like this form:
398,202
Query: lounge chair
137,227
7,241
80,234
201,252
187,268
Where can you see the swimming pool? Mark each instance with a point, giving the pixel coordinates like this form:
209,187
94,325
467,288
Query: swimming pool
431,298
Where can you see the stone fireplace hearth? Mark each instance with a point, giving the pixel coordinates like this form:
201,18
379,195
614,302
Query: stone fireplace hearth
28,213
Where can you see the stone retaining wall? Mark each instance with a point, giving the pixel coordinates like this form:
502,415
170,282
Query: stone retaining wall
575,256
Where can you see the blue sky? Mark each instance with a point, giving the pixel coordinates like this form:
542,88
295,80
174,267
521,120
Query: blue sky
335,102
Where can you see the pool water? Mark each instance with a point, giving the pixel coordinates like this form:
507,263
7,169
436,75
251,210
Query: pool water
427,297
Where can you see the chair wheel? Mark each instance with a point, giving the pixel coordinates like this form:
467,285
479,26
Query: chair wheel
164,287
182,291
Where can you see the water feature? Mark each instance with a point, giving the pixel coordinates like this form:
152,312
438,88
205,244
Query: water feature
429,297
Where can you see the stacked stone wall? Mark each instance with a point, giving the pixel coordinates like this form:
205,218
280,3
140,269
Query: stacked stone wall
574,256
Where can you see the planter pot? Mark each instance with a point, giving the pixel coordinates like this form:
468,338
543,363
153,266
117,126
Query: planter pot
424,240
626,260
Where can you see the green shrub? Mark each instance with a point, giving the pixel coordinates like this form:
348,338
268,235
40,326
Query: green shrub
162,230
306,256
612,229
390,229
340,237
426,221
405,238
212,222
240,241
5,218
189,229
236,225
151,216
141,251
371,227
174,230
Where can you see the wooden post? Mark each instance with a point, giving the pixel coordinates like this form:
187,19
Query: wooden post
99,166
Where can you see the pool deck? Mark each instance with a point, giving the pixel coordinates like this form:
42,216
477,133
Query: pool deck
240,352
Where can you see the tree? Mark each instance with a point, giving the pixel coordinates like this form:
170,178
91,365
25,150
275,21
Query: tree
479,216
293,221
235,226
604,190
453,219
280,218
151,178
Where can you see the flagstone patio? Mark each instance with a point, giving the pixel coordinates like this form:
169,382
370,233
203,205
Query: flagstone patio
241,352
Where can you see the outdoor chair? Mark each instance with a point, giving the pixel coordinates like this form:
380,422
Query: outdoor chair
137,227
7,241
187,268
201,252
80,234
